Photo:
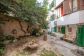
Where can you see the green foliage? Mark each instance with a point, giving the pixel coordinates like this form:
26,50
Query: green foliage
3,41
28,10
47,53
2,46
33,12
1,51
52,4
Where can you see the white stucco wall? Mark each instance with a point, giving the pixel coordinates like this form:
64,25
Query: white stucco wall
74,18
81,17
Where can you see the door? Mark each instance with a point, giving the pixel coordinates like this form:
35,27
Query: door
55,29
80,36
63,29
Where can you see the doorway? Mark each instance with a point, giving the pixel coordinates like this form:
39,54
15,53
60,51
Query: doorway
80,36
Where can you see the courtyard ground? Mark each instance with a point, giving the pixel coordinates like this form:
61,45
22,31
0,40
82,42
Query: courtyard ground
65,48
54,44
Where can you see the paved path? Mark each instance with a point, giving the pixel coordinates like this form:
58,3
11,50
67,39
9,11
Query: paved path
62,46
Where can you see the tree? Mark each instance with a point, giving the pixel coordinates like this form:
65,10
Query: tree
34,13
28,10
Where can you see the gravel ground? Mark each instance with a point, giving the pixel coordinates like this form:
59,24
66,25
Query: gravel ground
16,49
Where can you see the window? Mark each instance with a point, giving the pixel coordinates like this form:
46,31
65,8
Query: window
62,12
74,5
59,12
70,5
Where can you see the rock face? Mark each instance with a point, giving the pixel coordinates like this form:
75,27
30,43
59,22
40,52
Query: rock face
14,26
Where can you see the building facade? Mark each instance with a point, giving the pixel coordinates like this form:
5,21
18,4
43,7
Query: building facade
51,16
69,16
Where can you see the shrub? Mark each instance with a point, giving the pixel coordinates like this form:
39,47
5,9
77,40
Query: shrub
2,45
47,53
3,42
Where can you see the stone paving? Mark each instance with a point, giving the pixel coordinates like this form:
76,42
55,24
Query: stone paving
63,47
